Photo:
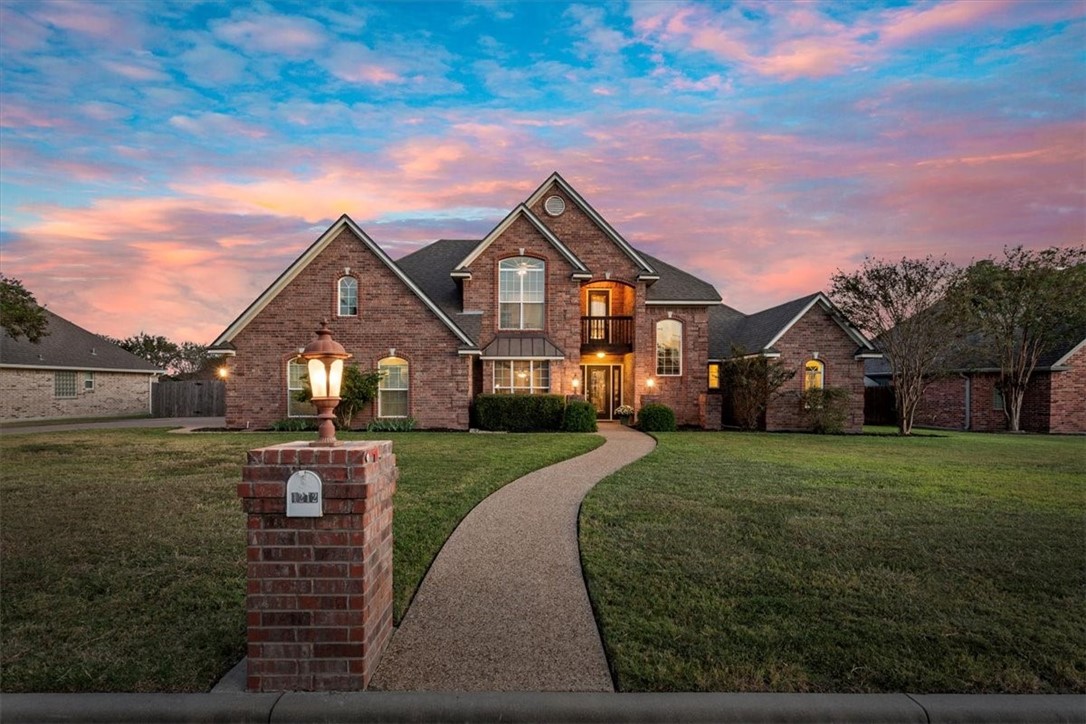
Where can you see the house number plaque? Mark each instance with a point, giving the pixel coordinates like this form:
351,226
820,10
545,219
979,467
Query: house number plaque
304,495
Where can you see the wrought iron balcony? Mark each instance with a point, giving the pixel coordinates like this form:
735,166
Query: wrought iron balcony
613,335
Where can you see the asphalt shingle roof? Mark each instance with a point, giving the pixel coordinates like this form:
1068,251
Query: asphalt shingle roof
429,268
676,285
752,333
69,345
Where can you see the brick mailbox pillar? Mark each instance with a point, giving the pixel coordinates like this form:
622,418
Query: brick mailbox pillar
319,597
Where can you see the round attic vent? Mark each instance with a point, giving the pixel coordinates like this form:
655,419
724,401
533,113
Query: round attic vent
554,205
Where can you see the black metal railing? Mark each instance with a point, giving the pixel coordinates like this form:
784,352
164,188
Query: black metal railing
607,331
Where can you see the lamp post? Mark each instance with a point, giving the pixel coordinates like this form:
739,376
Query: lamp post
324,362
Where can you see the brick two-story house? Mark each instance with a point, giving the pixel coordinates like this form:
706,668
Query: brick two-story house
552,300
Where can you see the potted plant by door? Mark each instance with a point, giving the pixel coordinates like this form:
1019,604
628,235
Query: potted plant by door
624,413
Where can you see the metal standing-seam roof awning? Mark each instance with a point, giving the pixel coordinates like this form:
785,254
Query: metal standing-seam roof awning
521,347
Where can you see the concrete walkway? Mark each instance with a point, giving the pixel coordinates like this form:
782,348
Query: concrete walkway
504,605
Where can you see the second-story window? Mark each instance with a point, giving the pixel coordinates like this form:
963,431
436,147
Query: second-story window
348,297
520,293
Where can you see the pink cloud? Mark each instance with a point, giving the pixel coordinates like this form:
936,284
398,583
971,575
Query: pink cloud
271,33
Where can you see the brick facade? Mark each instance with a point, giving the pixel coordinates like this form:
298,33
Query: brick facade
1055,401
319,592
391,321
817,336
27,394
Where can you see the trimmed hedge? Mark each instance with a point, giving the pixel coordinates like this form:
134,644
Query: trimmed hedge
580,416
655,417
519,413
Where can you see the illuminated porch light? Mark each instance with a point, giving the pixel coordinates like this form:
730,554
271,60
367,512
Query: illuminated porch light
324,362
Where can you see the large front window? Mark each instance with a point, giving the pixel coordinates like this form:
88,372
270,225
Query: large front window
669,347
520,293
393,388
522,377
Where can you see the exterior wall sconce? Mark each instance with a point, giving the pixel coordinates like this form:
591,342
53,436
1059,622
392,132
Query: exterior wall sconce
576,384
223,373
324,362
650,383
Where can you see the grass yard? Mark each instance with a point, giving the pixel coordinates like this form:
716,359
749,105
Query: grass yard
755,562
122,553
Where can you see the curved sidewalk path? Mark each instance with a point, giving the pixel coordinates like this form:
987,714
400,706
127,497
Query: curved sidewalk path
504,605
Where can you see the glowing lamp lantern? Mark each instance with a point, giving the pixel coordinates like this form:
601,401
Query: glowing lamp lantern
324,362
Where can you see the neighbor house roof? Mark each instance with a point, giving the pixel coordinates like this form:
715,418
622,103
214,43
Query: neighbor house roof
757,333
68,346
974,356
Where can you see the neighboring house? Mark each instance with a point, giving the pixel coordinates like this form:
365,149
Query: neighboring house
71,373
809,336
969,398
552,300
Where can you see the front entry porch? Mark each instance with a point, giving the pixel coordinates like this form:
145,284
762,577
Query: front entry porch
602,384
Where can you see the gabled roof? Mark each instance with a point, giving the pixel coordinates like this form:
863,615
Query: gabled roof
675,285
757,333
68,346
525,212
223,342
646,269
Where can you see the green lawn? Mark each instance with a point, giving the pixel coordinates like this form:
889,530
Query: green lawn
755,562
122,553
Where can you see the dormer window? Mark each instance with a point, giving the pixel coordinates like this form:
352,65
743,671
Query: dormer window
520,293
348,297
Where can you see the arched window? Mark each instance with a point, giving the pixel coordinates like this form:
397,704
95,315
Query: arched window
393,388
348,297
813,375
520,293
669,347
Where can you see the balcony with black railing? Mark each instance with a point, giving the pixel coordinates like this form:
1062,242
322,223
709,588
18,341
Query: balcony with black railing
612,335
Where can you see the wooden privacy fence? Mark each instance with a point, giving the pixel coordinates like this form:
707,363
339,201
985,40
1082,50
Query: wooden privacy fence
879,406
188,398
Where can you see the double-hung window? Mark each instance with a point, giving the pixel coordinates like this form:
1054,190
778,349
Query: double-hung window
296,382
814,375
392,390
669,347
520,293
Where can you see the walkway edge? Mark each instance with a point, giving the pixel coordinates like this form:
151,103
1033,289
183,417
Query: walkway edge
390,707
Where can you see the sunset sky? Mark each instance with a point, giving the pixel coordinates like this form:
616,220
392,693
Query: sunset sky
162,162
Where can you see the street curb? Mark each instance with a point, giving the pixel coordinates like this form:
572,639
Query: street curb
510,708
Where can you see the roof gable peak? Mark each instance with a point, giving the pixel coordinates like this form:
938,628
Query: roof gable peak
521,211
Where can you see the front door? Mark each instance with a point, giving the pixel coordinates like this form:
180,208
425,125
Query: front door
603,385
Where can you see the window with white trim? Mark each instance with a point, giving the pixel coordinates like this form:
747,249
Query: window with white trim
296,382
64,384
522,377
520,293
392,390
348,297
669,348
88,381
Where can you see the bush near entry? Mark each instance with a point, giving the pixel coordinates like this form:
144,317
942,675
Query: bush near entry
655,417
519,413
579,416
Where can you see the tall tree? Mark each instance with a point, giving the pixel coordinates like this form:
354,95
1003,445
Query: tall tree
20,314
753,381
1023,305
900,306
